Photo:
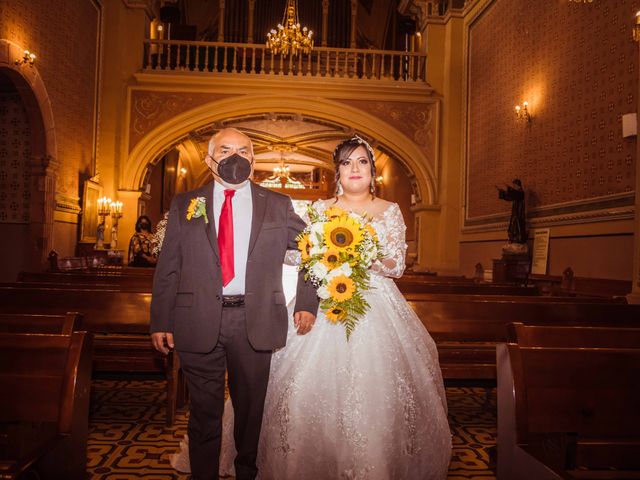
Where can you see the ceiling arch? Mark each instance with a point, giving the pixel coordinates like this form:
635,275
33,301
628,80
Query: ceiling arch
314,127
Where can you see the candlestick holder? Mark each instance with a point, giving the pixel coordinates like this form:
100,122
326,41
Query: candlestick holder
116,214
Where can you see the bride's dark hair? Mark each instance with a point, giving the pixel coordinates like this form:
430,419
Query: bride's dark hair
342,152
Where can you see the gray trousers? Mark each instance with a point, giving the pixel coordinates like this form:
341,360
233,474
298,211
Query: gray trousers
248,372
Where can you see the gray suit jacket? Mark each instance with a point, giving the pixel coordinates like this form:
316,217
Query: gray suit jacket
187,285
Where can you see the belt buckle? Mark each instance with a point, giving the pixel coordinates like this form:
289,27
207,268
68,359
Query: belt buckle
233,300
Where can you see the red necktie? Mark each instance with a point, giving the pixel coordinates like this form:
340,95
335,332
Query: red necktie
225,238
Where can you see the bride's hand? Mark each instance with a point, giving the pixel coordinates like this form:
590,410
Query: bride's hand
303,321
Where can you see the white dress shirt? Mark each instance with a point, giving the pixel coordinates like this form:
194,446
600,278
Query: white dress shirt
242,203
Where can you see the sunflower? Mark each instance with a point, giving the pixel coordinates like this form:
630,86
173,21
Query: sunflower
341,288
342,233
331,258
191,209
304,245
335,314
334,212
371,230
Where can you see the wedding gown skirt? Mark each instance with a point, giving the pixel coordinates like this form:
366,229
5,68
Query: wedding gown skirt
370,408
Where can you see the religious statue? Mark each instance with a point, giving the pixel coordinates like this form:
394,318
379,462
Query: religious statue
114,237
100,236
517,223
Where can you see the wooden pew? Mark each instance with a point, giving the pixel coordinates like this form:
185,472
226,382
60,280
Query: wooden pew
36,323
461,297
120,322
466,331
569,284
568,412
407,286
44,405
128,281
98,285
572,336
433,278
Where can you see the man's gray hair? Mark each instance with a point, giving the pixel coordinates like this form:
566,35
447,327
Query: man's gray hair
212,141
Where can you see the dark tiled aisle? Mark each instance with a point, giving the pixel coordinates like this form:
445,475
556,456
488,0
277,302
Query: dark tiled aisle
129,440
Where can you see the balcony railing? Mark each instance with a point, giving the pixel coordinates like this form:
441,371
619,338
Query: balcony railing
257,59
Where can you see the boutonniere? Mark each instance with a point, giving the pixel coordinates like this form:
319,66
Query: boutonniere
197,208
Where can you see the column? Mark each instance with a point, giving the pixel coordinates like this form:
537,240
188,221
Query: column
221,21
354,18
252,8
634,296
44,175
325,21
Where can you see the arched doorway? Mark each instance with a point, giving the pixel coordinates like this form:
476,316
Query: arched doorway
27,167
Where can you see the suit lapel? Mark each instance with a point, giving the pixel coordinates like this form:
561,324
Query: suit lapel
259,201
210,228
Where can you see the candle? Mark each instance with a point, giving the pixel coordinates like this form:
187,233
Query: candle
116,207
103,205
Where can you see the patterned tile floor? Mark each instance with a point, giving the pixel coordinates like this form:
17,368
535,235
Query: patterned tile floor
129,440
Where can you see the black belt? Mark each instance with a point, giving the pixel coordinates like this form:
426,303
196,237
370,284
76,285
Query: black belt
232,300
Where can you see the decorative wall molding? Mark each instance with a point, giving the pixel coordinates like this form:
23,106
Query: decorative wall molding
151,108
604,209
68,204
180,125
149,6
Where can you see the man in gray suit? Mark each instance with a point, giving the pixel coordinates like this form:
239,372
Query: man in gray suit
218,298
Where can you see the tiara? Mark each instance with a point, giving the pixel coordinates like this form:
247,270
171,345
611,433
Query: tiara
360,141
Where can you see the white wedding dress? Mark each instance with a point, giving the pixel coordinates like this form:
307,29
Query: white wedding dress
373,407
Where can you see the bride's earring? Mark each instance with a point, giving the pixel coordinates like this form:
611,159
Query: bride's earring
372,187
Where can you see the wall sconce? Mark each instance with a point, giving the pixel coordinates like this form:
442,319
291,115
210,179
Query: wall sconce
636,27
581,1
522,112
27,59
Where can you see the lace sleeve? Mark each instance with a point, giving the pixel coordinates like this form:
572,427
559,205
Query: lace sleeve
292,257
393,244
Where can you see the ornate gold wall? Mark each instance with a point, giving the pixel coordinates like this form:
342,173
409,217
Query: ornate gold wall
64,36
576,65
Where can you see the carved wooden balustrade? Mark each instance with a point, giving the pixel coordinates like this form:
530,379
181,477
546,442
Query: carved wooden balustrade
257,59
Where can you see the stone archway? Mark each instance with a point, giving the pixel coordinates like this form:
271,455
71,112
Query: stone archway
42,164
156,141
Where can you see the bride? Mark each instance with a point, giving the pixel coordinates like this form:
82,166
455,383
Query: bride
373,407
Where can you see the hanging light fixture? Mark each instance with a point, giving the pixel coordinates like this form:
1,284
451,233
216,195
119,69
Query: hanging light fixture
289,36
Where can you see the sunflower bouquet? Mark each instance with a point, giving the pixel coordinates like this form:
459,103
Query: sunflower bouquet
337,248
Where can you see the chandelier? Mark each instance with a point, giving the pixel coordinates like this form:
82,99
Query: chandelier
289,37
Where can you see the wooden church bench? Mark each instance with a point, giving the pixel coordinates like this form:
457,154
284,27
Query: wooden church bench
466,332
568,412
407,286
128,281
120,322
44,405
39,323
572,336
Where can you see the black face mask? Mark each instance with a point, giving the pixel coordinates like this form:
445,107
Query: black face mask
234,169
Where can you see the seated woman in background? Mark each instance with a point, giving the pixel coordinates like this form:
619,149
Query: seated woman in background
141,244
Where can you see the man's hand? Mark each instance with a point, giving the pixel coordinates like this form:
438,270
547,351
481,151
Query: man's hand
162,341
303,321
